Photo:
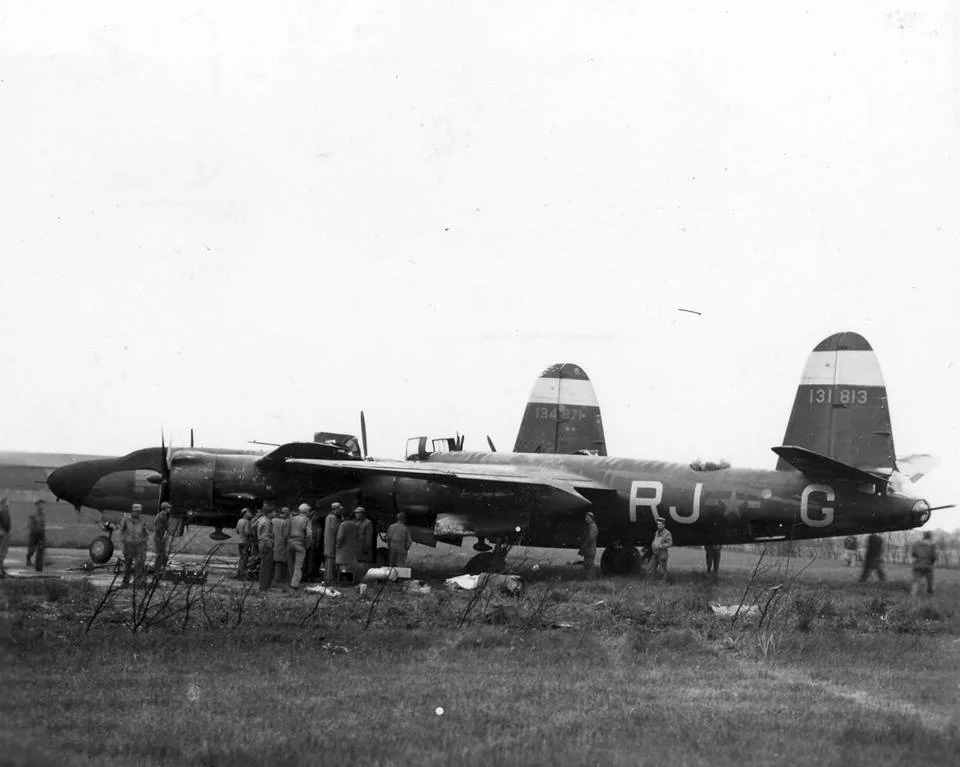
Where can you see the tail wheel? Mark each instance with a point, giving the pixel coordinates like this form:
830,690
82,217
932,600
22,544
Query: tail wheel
101,549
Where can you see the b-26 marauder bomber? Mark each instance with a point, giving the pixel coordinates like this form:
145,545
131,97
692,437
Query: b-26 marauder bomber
837,475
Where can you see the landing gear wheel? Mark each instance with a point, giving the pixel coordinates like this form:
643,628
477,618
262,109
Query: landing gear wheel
480,563
101,549
622,560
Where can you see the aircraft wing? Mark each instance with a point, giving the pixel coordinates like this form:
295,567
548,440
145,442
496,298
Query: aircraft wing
462,474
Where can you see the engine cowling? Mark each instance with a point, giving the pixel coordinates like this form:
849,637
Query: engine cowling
191,480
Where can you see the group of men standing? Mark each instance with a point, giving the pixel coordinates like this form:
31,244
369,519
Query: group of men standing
278,540
290,546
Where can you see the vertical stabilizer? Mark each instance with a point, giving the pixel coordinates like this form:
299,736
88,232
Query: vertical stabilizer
841,406
562,414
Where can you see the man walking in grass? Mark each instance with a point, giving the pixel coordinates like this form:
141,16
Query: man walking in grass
662,541
924,553
873,558
36,535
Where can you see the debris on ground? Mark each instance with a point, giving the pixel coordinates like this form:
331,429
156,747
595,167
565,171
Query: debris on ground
387,574
506,584
730,611
321,589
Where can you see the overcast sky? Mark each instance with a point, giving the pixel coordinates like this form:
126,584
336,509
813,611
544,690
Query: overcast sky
259,222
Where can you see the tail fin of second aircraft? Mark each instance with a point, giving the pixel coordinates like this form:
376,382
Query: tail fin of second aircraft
562,414
840,410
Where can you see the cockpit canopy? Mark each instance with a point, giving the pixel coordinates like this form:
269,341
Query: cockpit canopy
699,464
418,448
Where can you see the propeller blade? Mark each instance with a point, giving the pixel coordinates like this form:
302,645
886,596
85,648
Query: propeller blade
191,436
363,434
493,448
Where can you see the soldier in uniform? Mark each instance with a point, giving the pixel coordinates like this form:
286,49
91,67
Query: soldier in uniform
368,543
161,524
662,541
281,527
314,568
873,559
399,541
713,557
5,526
348,546
37,535
298,538
133,536
850,550
243,544
924,553
265,543
588,546
331,525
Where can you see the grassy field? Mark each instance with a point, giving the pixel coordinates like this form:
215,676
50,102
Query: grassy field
617,671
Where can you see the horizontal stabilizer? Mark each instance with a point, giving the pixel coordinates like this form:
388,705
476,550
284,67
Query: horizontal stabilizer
817,465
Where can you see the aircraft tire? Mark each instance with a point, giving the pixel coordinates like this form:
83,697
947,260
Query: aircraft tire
619,561
101,549
484,563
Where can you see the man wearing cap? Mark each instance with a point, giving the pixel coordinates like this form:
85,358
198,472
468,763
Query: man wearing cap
660,546
399,541
265,543
298,537
243,544
133,536
331,526
161,524
368,544
37,534
588,547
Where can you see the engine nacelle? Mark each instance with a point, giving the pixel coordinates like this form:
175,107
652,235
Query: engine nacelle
191,480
